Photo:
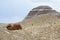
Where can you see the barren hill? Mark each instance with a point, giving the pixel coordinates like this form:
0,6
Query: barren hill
40,10
41,25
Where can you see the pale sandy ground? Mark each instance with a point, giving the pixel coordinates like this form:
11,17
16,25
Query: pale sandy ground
43,27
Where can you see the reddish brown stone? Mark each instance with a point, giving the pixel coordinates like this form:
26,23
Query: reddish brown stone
14,26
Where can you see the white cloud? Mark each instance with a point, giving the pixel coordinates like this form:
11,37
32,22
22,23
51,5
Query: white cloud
53,3
45,1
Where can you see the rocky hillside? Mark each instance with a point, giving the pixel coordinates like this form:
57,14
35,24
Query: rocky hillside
41,25
41,10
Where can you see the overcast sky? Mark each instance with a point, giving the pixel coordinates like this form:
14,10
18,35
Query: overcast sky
16,10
